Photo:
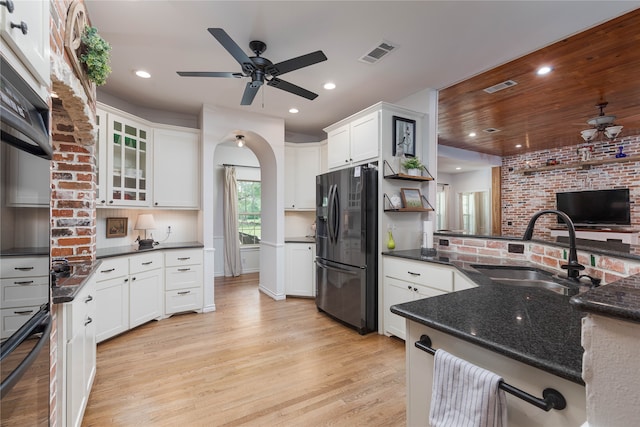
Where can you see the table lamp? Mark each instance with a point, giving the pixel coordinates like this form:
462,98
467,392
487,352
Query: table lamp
145,222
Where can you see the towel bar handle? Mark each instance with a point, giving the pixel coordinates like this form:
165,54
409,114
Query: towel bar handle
551,398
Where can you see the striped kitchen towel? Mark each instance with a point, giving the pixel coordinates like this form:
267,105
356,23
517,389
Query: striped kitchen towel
465,395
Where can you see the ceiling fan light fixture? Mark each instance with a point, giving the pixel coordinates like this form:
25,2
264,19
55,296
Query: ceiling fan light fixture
602,123
612,132
588,134
240,140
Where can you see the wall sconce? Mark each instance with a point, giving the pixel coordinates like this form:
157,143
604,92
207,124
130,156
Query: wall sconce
240,140
145,222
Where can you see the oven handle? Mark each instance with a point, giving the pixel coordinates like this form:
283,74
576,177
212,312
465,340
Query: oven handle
32,327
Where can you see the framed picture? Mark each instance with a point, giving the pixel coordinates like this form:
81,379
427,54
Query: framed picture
404,137
116,227
411,198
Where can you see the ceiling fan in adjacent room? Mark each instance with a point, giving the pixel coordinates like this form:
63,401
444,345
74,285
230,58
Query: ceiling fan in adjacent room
260,69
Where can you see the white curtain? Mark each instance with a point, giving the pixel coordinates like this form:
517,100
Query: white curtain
232,261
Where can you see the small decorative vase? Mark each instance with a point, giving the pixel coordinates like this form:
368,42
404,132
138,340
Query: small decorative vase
391,244
620,154
413,172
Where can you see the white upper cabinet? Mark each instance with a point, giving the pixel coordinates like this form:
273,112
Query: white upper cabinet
176,160
24,30
354,140
302,164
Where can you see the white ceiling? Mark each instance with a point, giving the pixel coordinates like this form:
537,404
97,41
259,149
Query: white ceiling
440,43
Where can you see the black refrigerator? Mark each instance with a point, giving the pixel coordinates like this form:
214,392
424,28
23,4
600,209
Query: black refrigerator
346,246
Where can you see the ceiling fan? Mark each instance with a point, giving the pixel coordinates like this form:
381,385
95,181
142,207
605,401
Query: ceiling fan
260,69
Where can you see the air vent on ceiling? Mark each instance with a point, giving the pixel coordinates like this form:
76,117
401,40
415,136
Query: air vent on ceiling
500,86
490,130
377,53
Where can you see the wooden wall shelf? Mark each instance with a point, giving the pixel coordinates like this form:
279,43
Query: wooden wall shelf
580,165
393,175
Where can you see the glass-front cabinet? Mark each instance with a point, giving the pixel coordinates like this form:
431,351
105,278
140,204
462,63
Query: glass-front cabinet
128,162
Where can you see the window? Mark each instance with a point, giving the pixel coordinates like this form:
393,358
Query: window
249,219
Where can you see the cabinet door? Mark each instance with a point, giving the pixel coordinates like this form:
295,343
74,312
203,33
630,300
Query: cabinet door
28,179
128,162
395,292
299,269
176,166
32,48
290,177
365,136
145,297
76,396
338,149
426,292
102,175
112,308
307,167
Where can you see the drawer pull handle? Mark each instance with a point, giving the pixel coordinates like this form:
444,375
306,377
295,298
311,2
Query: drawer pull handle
23,268
147,263
108,271
184,292
415,289
8,4
184,269
23,312
26,282
89,299
409,287
413,274
184,258
89,320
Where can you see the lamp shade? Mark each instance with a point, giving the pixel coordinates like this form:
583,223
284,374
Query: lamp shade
145,222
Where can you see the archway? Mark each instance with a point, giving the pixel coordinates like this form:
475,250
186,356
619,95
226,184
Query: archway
265,137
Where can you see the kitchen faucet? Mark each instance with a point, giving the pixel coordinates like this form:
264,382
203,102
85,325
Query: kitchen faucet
573,267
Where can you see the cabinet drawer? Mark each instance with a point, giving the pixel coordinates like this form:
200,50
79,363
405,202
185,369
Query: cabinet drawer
82,310
422,273
112,267
12,318
146,262
188,276
183,257
22,291
183,300
24,266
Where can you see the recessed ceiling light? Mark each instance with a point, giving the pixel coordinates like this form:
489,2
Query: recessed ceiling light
293,110
458,168
329,86
518,145
472,134
143,74
543,70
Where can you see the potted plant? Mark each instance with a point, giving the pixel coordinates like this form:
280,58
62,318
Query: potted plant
94,54
413,166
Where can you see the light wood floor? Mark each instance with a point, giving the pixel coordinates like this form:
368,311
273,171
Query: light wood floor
252,362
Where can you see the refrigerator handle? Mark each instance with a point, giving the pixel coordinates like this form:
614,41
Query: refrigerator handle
340,270
335,207
331,216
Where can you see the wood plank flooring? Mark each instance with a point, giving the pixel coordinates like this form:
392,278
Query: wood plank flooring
252,362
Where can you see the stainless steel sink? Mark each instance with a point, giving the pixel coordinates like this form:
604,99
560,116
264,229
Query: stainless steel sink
524,276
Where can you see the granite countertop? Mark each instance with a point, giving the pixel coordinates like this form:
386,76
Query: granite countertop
133,249
620,299
67,286
534,326
305,239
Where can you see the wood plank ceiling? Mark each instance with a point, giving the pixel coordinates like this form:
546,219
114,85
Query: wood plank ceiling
542,112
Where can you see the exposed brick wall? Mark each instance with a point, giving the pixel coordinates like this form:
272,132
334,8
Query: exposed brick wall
551,257
73,184
524,195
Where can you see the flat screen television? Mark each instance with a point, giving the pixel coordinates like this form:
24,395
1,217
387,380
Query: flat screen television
596,207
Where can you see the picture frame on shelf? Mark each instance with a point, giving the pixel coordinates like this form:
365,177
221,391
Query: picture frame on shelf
404,137
117,227
411,198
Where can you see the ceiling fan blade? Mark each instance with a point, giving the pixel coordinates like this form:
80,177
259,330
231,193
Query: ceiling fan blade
227,42
290,87
296,63
208,74
250,92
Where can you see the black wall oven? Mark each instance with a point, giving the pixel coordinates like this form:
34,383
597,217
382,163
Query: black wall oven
25,324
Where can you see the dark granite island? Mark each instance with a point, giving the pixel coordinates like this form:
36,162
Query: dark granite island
531,337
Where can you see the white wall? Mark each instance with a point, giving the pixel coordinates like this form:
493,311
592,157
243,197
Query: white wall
183,226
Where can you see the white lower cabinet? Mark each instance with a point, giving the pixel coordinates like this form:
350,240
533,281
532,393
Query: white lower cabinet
183,280
79,352
145,288
407,280
300,269
112,298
